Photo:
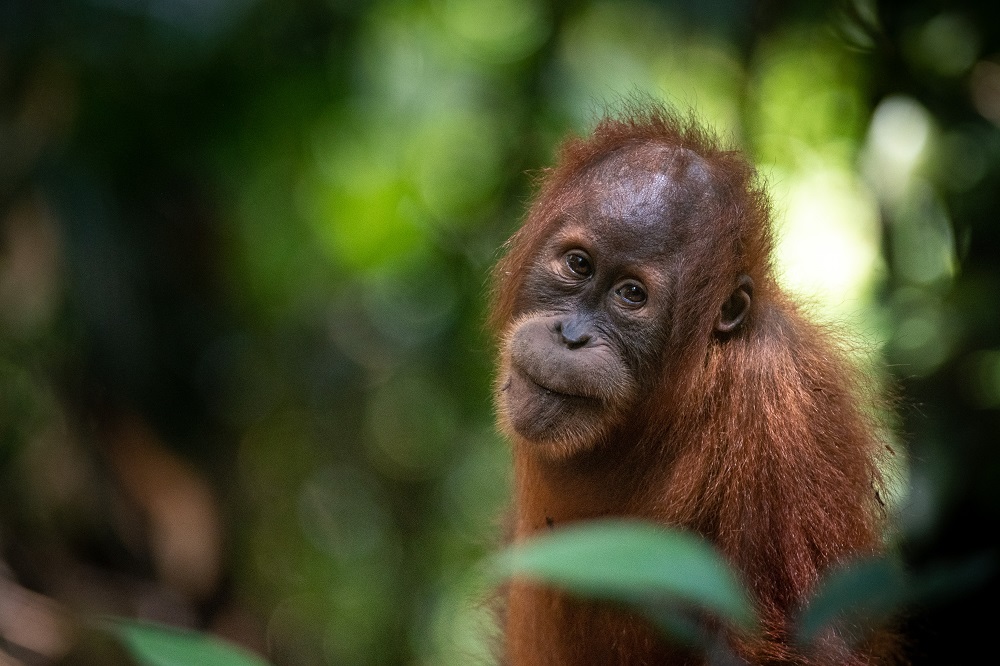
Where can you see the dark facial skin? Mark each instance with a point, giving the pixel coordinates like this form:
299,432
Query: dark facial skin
595,307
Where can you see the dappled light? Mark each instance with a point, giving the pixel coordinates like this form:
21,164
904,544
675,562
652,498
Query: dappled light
245,375
829,238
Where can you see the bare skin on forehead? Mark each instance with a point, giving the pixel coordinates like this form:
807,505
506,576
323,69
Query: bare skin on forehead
633,198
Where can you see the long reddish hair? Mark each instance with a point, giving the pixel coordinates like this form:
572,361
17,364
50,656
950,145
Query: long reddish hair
766,441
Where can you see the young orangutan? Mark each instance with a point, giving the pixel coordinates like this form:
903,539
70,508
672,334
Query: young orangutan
652,367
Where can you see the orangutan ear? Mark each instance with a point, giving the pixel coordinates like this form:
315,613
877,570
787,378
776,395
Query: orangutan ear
736,307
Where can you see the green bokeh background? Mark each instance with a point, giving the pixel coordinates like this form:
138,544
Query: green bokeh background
244,247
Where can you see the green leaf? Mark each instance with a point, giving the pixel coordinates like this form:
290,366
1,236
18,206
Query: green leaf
632,562
157,645
862,593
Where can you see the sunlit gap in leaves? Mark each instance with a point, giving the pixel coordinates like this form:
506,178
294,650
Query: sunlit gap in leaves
806,125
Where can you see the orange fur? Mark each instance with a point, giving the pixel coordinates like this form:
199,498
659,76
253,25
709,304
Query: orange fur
763,441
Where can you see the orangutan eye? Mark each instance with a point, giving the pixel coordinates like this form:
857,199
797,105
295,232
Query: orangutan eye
631,294
579,263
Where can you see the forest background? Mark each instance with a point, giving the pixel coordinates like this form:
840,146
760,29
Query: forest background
244,247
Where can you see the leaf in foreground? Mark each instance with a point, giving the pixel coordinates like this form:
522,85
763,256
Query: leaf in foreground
157,645
865,593
632,562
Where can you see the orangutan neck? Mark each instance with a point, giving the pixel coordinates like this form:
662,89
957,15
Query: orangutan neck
551,494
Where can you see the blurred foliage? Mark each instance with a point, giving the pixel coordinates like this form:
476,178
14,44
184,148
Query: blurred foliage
683,586
244,247
161,646
673,578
